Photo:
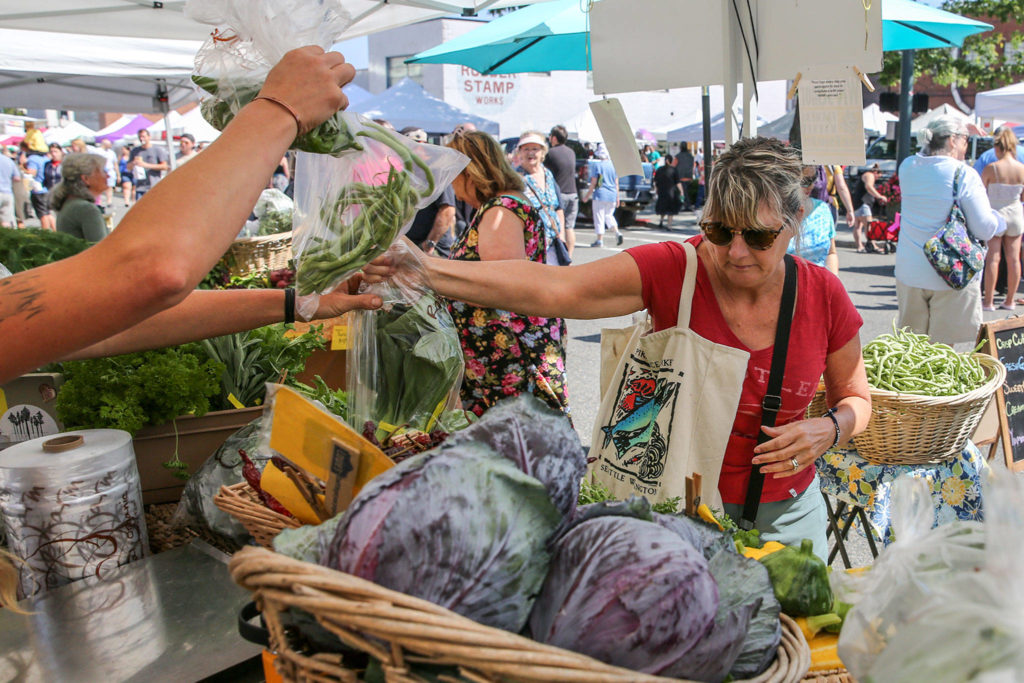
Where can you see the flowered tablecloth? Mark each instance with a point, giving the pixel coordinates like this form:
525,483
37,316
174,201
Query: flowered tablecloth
955,485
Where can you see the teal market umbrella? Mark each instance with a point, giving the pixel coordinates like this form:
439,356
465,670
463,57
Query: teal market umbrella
909,25
547,36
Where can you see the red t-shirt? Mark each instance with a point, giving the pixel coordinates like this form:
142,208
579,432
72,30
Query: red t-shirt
824,321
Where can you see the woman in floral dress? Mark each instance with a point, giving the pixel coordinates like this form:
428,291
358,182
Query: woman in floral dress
506,354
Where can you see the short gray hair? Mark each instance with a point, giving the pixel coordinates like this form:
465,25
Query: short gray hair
936,135
72,170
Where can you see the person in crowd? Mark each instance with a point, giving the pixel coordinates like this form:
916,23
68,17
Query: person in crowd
604,195
167,243
10,176
653,156
1004,183
669,190
34,138
754,208
106,150
187,145
989,155
831,188
22,199
34,167
866,197
464,212
816,241
83,180
78,146
433,226
926,303
684,169
542,190
127,177
506,354
147,162
282,177
561,161
50,177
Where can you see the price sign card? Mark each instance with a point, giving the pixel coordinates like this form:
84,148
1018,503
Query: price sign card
831,116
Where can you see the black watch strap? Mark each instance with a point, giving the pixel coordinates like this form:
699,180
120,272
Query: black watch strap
289,305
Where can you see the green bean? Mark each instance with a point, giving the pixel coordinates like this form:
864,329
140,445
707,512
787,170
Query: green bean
908,362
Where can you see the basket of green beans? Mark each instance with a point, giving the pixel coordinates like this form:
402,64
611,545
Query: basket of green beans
926,399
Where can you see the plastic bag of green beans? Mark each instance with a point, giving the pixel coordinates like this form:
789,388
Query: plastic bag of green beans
349,209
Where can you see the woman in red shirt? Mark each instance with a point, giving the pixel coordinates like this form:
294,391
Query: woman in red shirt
753,210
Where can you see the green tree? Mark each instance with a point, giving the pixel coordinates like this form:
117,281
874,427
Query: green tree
987,60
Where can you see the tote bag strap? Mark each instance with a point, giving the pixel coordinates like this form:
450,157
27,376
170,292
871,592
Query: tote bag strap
772,402
689,286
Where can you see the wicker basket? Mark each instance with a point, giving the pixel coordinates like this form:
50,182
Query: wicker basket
833,676
259,254
396,629
242,503
907,429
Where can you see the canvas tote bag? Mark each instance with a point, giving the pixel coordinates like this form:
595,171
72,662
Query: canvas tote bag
667,408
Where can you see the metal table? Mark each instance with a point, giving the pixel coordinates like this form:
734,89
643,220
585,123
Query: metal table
169,617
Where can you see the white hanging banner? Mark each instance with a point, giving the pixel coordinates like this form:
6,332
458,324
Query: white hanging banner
618,136
831,116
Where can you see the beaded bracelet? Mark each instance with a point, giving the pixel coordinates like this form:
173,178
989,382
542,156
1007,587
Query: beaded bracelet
831,414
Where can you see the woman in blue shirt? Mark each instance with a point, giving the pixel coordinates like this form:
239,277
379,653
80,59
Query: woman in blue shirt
816,240
604,191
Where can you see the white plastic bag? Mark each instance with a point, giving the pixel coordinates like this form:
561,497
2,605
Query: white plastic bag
349,209
251,37
944,604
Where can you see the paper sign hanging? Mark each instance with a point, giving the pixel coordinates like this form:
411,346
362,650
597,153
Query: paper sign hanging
618,137
831,116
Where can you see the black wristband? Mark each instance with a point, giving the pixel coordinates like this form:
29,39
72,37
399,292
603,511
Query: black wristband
289,305
831,414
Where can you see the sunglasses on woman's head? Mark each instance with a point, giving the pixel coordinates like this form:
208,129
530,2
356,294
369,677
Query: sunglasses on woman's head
721,235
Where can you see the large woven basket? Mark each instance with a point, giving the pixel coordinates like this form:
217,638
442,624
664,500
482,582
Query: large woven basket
398,629
908,429
259,254
242,503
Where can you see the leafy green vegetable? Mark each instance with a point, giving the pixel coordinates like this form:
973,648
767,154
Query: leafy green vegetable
253,358
334,400
137,389
30,248
273,222
595,492
418,362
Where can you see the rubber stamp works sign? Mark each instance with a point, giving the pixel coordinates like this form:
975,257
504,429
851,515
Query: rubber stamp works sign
487,94
831,117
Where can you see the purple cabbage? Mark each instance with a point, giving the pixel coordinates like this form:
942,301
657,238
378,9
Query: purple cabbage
701,535
539,439
629,593
461,527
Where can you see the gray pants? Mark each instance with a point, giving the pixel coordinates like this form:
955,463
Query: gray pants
571,208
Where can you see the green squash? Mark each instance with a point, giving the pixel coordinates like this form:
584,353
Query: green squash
800,580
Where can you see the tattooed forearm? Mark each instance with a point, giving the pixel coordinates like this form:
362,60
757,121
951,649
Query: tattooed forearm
19,295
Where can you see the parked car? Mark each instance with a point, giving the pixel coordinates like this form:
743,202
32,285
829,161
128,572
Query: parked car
882,151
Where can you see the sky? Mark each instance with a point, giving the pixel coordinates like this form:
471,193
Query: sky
356,51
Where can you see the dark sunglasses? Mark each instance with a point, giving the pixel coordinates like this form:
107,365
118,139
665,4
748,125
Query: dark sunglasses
721,236
807,181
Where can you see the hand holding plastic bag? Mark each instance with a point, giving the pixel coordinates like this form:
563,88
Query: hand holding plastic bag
237,63
941,604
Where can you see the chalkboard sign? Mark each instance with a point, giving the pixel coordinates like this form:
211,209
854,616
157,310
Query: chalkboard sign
1005,340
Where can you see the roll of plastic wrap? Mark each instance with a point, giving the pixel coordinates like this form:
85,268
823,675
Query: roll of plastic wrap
75,512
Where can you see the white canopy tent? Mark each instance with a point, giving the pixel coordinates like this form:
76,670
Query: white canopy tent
1001,103
64,134
406,103
584,127
943,110
120,123
876,120
167,19
95,73
191,122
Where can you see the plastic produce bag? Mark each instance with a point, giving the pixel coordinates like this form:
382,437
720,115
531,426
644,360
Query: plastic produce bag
405,364
350,209
223,468
943,603
251,37
273,212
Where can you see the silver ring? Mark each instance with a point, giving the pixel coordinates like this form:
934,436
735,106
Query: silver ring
795,463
